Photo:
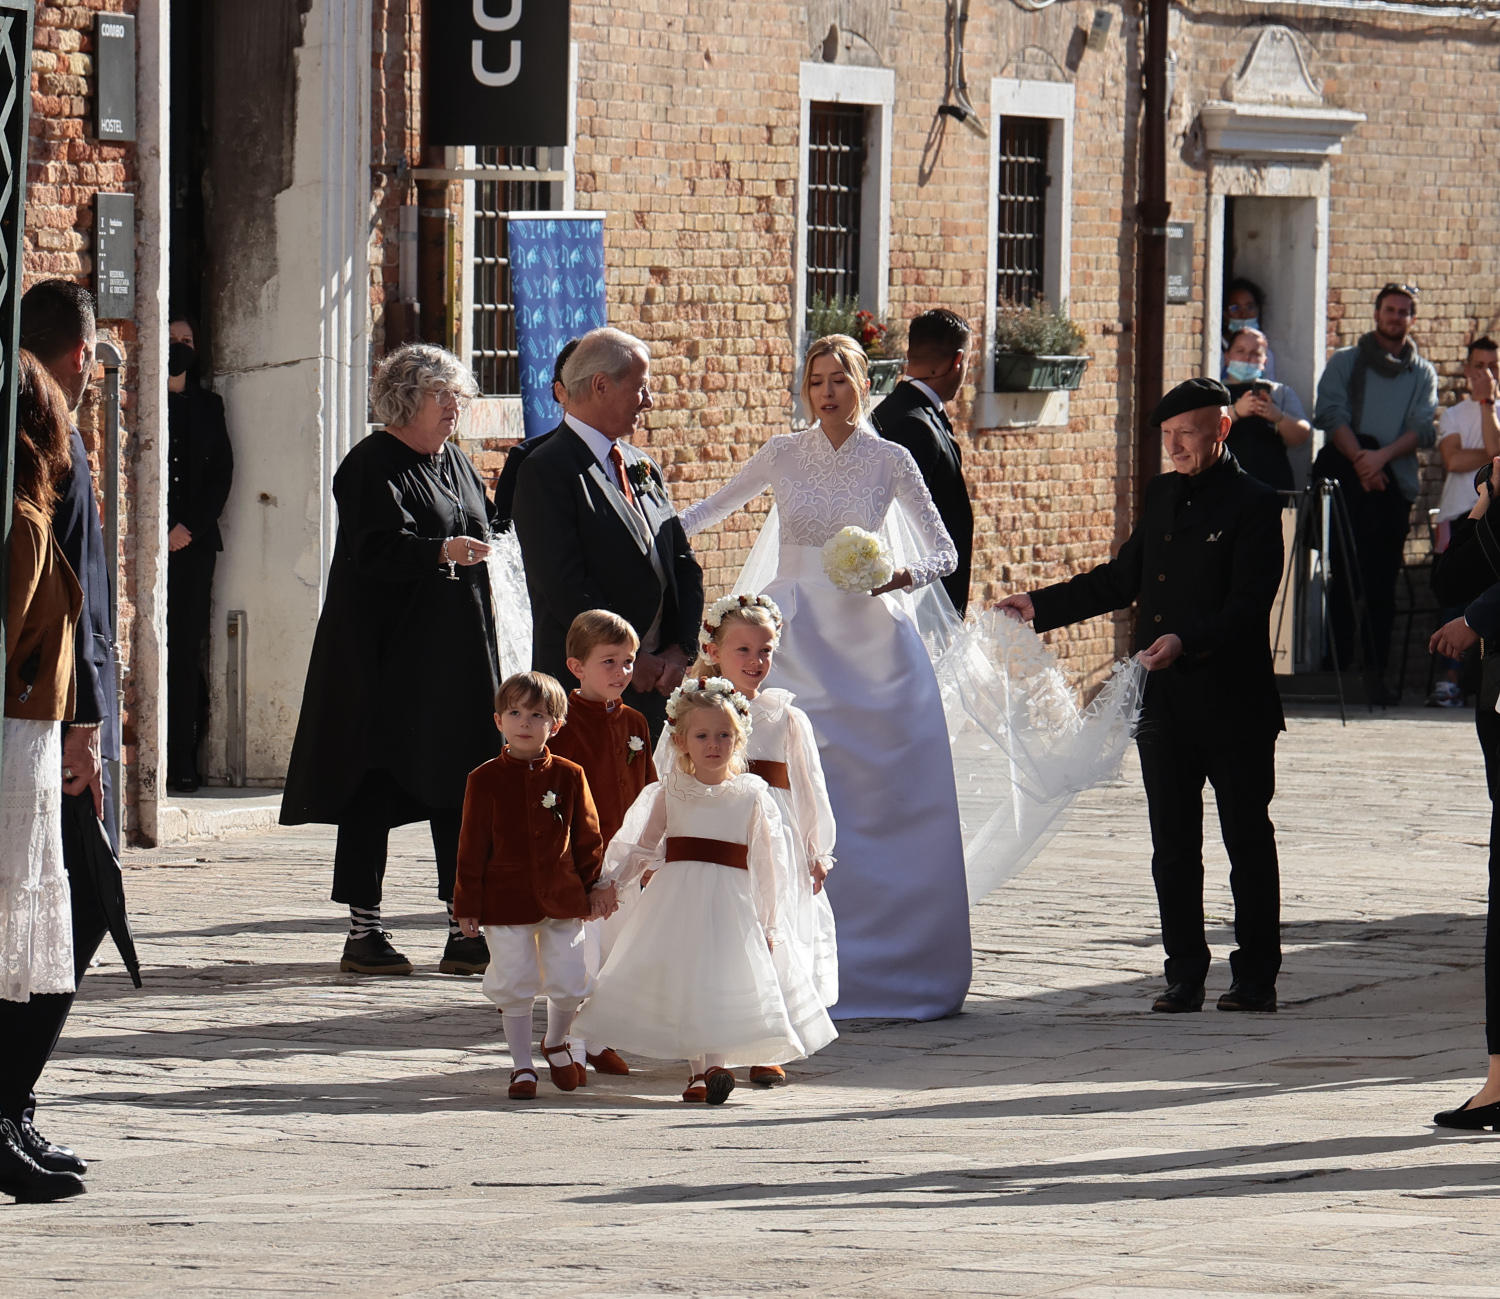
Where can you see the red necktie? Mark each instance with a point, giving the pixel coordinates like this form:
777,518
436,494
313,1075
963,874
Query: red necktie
617,459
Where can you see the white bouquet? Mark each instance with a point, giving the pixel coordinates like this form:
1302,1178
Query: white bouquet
857,561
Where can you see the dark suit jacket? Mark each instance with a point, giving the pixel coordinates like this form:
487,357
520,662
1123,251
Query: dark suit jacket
201,463
584,548
1468,573
75,522
502,508
909,418
1204,563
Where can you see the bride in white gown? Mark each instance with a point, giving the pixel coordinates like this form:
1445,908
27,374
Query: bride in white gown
860,671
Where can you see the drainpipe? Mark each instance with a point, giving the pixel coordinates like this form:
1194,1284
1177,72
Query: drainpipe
1151,278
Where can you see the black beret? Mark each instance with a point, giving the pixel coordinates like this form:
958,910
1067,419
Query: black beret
1195,394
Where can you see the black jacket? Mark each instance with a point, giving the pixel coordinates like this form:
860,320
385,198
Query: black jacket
1203,563
1466,574
503,507
75,521
582,552
200,463
909,418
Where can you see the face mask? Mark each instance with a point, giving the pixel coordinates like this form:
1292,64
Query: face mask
1236,325
1243,371
181,358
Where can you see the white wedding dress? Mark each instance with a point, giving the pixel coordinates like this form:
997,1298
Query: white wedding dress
860,670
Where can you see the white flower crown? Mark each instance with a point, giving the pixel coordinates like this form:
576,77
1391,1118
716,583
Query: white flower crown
725,604
719,686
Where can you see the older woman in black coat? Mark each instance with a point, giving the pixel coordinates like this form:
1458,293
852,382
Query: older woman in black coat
399,704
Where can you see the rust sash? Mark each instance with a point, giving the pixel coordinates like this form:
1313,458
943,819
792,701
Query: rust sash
773,773
719,851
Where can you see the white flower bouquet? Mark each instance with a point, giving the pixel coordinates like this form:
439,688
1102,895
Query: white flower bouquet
857,561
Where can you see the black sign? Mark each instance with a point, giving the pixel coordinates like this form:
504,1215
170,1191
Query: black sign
114,76
114,255
496,72
1179,261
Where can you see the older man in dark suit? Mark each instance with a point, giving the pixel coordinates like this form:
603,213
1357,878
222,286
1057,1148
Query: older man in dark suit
915,415
598,530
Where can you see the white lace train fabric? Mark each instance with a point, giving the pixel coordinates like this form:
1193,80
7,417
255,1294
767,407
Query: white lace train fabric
36,915
1023,748
512,603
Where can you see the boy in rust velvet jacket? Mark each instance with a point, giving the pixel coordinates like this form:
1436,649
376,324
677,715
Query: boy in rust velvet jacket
529,856
611,741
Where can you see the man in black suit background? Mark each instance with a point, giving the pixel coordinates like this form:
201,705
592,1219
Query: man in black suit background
598,530
1202,568
937,357
502,507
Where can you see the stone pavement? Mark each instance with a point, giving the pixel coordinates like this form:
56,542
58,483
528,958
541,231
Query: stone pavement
262,1124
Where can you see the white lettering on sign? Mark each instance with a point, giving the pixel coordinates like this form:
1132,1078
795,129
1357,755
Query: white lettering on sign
487,78
490,24
117,30
111,124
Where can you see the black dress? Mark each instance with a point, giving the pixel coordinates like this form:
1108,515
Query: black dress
401,684
1258,447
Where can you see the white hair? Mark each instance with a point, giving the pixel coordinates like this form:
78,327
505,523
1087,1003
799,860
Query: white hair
610,352
405,377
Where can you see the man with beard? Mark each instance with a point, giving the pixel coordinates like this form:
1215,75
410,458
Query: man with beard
1376,401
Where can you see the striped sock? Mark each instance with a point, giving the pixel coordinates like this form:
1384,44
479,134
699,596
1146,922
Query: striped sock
363,921
453,930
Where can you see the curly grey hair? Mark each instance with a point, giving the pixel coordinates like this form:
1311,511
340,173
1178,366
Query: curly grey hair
405,377
610,352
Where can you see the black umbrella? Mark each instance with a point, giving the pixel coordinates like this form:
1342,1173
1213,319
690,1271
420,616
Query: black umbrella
101,868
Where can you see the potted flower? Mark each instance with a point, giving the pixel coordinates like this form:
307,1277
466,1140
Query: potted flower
884,343
1037,349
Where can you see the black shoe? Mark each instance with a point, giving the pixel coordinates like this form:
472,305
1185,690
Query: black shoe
465,956
1475,1120
1179,999
183,784
1247,997
373,954
24,1178
55,1159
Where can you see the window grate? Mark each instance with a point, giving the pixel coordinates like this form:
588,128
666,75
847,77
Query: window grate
835,183
494,354
1021,228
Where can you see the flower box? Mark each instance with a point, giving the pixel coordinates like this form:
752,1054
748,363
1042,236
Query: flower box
884,375
1022,372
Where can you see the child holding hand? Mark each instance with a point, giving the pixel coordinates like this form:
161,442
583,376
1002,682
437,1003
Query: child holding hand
529,859
611,742
693,973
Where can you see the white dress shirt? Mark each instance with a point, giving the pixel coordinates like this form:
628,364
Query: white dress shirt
925,391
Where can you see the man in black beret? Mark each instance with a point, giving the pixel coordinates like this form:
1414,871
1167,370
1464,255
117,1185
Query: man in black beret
1202,568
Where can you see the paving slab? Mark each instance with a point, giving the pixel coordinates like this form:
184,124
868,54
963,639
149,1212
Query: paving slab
260,1123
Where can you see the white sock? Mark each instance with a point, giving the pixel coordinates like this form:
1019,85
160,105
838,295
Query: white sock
580,1051
559,1021
696,1066
517,1029
712,1062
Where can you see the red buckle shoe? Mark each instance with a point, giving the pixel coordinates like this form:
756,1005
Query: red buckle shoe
609,1061
768,1075
522,1089
582,1071
565,1075
696,1089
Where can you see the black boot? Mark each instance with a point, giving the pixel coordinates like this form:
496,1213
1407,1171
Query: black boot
373,954
24,1178
55,1159
1179,999
464,956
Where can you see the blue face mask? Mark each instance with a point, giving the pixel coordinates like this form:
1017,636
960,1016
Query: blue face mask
1243,371
1236,325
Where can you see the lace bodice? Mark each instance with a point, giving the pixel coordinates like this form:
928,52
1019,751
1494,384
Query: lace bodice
820,490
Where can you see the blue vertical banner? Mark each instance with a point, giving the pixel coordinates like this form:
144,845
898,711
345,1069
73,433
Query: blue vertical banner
557,286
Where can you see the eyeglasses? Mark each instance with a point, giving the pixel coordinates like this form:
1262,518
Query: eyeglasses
447,397
1248,310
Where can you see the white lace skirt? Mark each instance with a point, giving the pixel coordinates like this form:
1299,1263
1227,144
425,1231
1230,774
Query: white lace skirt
36,922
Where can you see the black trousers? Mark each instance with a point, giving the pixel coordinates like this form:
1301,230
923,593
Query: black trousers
29,1029
1174,765
1379,522
1487,723
364,837
190,586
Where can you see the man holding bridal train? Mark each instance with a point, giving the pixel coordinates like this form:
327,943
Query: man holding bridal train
1202,568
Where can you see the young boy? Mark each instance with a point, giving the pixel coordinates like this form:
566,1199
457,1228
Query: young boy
529,857
612,743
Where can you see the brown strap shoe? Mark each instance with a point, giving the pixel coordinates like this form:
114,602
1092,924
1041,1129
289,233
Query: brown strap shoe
609,1061
718,1083
522,1088
696,1089
565,1075
768,1075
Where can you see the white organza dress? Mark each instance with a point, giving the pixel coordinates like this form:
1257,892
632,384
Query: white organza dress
860,671
36,914
691,973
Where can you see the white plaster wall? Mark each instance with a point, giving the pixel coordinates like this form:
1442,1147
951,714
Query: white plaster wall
293,382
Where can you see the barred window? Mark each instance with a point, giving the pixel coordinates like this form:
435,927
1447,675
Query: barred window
835,184
1021,227
493,354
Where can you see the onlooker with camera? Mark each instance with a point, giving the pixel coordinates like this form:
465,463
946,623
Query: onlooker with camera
1376,401
1268,416
1468,436
1244,308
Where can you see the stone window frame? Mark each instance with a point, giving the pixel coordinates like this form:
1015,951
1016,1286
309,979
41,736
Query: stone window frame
875,88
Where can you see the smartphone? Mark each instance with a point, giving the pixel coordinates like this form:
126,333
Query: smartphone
1261,386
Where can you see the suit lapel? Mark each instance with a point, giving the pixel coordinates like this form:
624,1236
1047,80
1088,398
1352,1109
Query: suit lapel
629,516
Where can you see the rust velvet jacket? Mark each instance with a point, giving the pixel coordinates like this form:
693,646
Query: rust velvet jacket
519,860
597,737
44,601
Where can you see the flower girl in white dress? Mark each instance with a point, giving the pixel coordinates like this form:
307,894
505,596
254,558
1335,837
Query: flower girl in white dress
692,974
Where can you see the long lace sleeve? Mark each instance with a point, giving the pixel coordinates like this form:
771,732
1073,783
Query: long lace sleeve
769,865
640,843
815,824
738,492
910,491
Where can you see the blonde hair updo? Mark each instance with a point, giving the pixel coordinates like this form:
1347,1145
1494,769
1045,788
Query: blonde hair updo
852,361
